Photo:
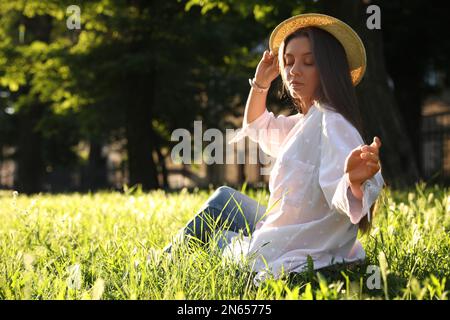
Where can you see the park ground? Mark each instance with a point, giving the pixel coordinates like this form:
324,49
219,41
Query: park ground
107,245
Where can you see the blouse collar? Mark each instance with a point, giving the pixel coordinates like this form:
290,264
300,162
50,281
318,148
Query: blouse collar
311,110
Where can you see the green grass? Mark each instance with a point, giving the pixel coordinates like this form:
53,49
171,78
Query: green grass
106,245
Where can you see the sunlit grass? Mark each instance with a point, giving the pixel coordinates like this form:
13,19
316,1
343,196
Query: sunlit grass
107,245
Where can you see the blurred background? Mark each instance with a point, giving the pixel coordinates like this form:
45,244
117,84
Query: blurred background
93,106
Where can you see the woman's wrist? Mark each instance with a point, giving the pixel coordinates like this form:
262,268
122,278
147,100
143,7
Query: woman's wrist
257,87
356,189
261,83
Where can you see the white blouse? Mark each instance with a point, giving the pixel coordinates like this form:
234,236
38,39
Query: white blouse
311,209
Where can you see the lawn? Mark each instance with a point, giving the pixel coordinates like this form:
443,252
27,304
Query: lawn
105,245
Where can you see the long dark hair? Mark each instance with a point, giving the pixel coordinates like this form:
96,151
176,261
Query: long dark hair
336,89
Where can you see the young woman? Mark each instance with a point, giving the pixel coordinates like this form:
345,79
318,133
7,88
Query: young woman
326,179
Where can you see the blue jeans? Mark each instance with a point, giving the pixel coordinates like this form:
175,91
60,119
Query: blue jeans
227,209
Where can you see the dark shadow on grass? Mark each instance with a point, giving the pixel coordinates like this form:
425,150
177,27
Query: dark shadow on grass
354,272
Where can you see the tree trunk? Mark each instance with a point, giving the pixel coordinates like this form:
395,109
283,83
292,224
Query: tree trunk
380,113
163,167
241,174
30,163
140,146
95,175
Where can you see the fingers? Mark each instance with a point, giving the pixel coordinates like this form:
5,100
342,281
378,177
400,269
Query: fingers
356,152
374,146
376,142
268,55
370,156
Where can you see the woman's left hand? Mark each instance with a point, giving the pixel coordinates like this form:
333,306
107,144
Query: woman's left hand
363,162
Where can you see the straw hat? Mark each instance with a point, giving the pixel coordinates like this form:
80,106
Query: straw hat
353,46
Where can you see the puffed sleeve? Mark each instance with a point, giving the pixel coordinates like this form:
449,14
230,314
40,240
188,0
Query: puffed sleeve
267,130
339,138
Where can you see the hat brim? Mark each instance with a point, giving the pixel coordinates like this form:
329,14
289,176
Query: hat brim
352,43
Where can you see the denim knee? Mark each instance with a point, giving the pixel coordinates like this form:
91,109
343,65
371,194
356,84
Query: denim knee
220,196
223,189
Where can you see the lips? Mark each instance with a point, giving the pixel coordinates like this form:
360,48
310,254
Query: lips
296,84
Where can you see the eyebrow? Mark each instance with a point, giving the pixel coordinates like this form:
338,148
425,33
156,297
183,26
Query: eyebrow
290,54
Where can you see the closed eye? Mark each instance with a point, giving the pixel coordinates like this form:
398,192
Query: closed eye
306,63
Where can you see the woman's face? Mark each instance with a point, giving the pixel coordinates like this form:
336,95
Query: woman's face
300,69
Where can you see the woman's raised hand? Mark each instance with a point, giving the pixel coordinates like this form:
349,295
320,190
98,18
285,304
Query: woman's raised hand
267,69
363,162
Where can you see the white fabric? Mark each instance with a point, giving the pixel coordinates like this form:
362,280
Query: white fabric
311,209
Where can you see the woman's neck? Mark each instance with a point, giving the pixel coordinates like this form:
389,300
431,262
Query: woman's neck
305,105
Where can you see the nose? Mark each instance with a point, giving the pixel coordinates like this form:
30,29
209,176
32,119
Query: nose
295,70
